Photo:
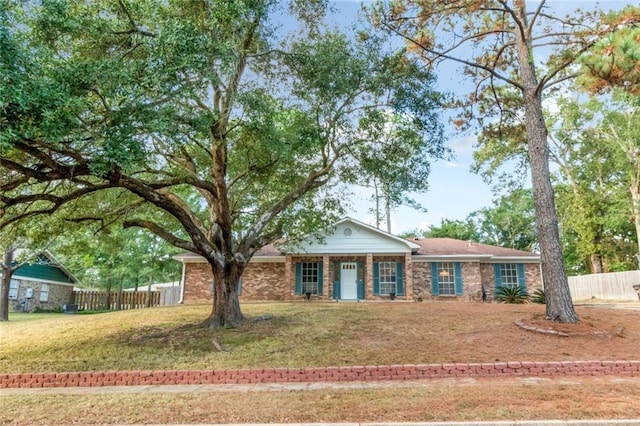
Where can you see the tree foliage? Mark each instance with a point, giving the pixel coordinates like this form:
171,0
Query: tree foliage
392,163
510,222
614,61
189,119
509,84
459,229
594,206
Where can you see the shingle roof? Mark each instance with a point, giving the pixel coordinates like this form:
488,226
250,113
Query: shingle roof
451,246
269,250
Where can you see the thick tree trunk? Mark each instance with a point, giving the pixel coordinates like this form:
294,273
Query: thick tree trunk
556,285
226,306
4,284
554,275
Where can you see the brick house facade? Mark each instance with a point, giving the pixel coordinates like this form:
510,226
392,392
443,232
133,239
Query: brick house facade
43,284
359,262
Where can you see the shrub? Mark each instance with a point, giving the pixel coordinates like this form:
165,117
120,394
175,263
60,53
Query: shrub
55,310
539,296
512,295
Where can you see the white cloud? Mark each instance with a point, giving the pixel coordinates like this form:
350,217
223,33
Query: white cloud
463,145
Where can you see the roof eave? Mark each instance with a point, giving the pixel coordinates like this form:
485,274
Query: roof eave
487,258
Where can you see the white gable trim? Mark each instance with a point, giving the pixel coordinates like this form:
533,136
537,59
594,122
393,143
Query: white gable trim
349,236
410,244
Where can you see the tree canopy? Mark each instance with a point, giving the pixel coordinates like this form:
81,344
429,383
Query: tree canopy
193,120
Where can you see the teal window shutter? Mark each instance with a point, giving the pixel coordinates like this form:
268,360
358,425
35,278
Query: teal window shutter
435,287
399,280
457,275
320,272
376,278
336,280
298,278
498,276
239,286
521,279
360,281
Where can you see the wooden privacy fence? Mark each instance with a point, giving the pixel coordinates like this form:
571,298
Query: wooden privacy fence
611,286
115,300
170,295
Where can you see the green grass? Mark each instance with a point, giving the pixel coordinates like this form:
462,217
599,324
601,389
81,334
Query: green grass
26,316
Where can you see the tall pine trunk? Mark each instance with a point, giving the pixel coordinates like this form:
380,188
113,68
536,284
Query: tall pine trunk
559,305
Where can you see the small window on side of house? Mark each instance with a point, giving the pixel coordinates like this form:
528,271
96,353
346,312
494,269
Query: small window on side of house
13,289
44,293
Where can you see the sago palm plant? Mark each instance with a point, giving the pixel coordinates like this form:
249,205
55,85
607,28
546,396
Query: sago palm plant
513,295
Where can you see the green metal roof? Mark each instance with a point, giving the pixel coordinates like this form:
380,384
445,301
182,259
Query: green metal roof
39,271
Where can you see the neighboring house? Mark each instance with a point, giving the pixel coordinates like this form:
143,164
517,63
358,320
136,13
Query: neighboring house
44,283
359,262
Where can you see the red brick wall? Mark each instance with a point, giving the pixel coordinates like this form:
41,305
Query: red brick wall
267,281
264,281
198,283
474,276
322,374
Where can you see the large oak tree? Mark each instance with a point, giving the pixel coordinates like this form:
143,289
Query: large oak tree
195,120
501,45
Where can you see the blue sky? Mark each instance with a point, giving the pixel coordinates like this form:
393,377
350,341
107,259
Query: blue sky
454,192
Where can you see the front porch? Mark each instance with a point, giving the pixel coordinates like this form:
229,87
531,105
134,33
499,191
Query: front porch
357,277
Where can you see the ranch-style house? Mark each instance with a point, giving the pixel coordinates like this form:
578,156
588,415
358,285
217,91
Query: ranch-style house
358,262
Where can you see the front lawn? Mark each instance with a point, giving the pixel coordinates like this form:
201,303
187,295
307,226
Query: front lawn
309,335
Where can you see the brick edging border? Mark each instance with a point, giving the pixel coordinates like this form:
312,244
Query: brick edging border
321,374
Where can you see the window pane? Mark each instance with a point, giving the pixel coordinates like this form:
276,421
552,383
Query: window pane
13,289
310,277
44,293
446,279
509,275
387,274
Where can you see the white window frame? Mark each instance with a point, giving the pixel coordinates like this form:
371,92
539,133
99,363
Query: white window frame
509,275
387,274
44,292
309,277
14,286
446,278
